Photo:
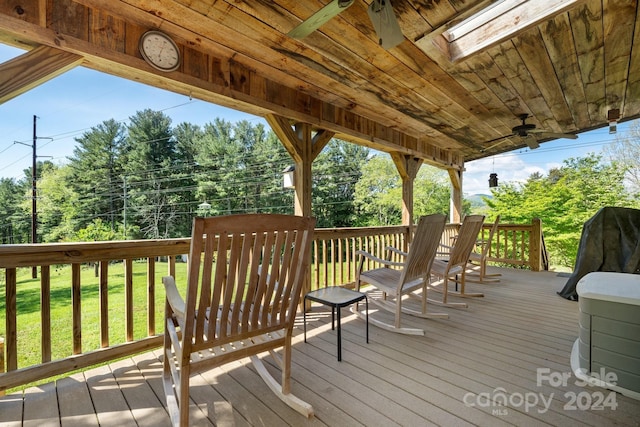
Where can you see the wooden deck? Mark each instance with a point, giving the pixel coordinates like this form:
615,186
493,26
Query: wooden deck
448,377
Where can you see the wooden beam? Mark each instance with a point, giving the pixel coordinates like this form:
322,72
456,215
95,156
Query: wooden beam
319,141
283,130
196,26
33,68
220,80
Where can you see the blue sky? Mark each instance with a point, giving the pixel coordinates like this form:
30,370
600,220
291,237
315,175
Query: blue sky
80,99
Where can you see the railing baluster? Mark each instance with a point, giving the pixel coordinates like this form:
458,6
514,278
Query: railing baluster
341,259
128,299
45,313
11,319
151,296
172,266
104,304
334,271
316,264
324,263
76,308
1,361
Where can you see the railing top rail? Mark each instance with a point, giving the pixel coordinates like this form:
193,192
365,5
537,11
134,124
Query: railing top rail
330,233
26,255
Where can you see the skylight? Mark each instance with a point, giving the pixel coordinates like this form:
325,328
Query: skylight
496,23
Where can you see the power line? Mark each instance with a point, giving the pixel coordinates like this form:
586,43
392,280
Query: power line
73,133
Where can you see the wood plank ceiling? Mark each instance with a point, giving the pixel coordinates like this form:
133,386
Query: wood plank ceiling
566,72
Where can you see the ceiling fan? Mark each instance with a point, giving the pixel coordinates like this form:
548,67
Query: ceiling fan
530,135
316,20
380,13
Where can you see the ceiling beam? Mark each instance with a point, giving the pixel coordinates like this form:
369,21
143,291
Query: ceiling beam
33,68
216,79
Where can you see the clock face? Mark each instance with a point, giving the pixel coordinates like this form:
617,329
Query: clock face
159,51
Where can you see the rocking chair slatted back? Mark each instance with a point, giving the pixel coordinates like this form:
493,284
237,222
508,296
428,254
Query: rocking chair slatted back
465,241
454,268
396,280
423,248
242,282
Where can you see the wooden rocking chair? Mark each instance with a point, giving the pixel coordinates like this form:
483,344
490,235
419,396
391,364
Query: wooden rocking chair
454,268
477,270
245,277
406,278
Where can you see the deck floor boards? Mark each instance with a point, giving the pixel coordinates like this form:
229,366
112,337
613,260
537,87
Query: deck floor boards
75,403
498,344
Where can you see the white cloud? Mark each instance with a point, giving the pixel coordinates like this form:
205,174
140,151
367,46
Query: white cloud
510,168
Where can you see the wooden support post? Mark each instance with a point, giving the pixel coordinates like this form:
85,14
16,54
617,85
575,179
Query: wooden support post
535,245
302,179
407,167
303,145
455,209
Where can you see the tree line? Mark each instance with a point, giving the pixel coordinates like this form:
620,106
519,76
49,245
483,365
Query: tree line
148,179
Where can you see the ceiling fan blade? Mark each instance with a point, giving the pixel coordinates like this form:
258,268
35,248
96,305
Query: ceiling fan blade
496,141
531,141
557,135
385,23
316,20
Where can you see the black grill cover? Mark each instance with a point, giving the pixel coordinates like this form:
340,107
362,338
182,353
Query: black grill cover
610,241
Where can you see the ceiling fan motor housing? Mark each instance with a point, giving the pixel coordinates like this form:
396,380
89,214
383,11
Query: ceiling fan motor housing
523,129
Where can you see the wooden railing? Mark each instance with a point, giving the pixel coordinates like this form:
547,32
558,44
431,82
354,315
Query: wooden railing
103,254
334,263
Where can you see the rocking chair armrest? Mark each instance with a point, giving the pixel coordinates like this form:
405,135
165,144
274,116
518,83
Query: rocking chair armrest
396,250
443,246
173,296
380,260
443,249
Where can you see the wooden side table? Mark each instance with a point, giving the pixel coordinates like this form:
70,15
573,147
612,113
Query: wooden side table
336,297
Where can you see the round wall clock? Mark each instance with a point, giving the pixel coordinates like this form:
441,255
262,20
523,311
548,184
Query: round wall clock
159,50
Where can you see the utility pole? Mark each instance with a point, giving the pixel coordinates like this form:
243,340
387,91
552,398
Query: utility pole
124,212
34,191
34,210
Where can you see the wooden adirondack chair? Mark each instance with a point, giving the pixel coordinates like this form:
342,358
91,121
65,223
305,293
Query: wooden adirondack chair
477,271
398,279
245,276
453,268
